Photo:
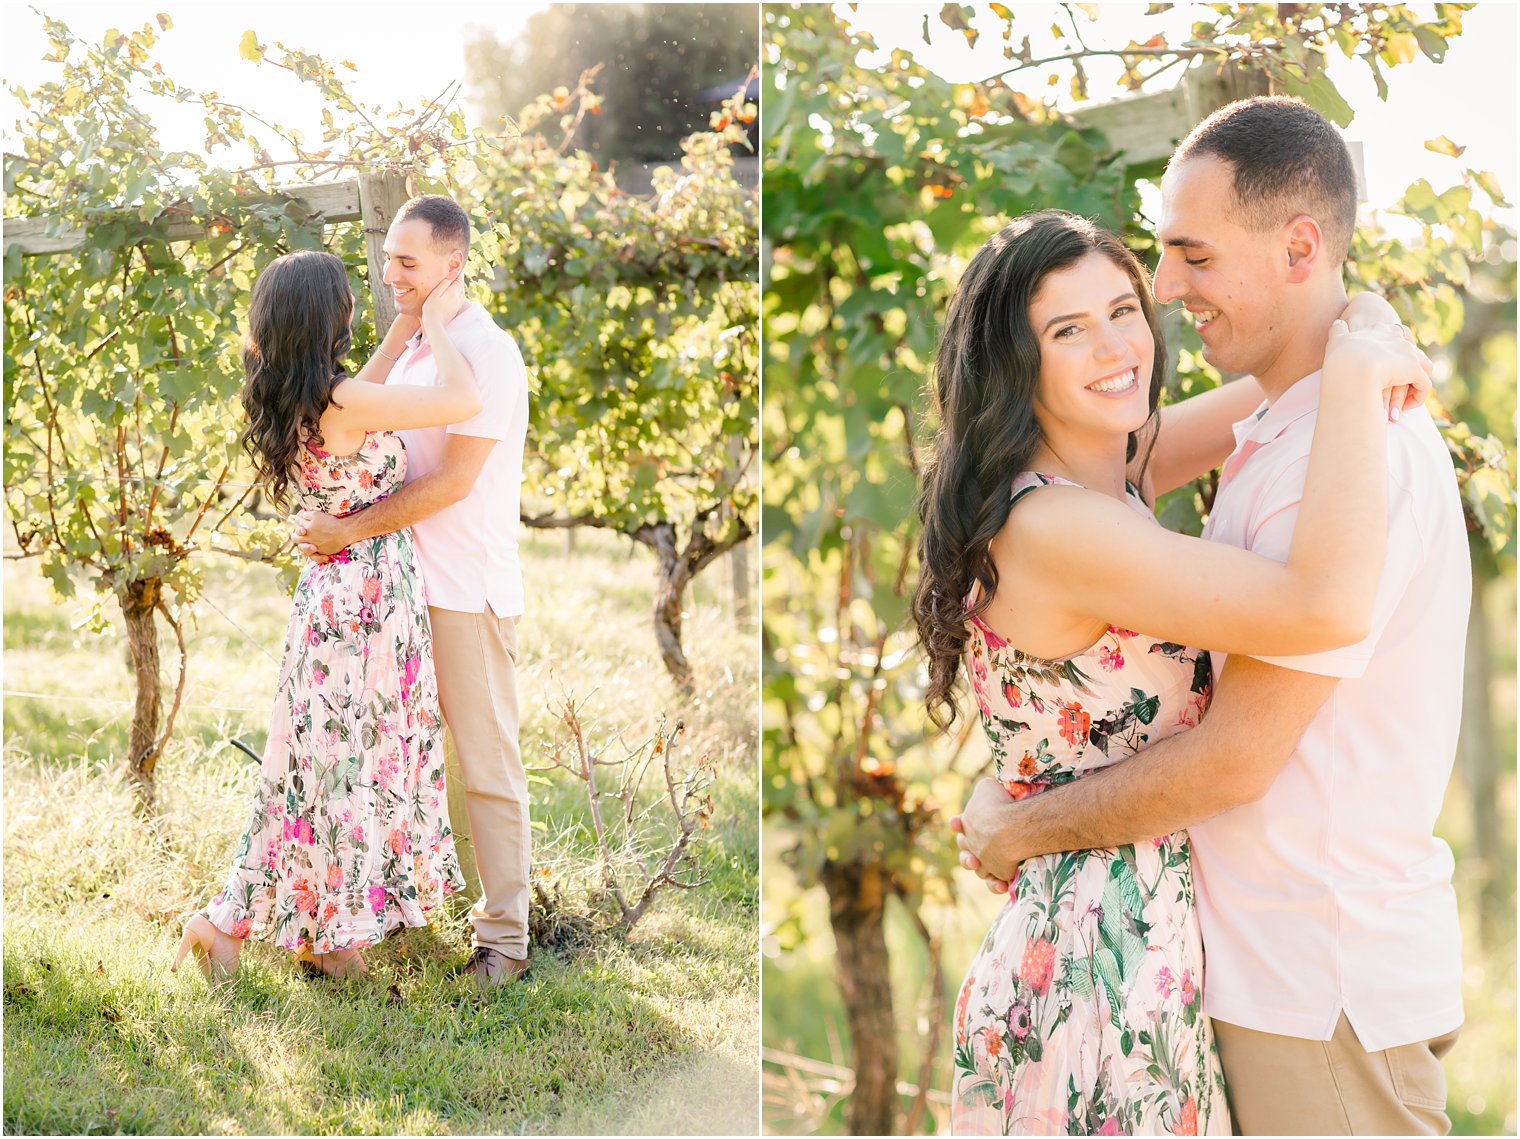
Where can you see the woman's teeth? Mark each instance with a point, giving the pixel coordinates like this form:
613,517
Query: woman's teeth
1122,382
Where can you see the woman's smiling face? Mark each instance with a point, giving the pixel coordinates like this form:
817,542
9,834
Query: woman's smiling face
1096,351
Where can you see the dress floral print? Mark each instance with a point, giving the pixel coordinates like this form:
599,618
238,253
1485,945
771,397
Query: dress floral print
349,836
1082,1014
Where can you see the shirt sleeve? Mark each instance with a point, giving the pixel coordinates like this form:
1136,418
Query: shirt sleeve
501,377
1272,537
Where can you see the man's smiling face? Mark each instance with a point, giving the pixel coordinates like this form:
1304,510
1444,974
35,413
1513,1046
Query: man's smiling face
1231,278
415,263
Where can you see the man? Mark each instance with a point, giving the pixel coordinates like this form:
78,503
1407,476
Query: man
461,499
1328,917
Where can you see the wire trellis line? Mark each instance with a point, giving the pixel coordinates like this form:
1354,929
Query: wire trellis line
160,480
63,696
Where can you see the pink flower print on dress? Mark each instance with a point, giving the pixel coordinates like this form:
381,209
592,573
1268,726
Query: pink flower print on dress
241,928
1109,1126
1018,1021
1164,980
960,1008
1188,992
992,1040
1038,965
376,898
1111,658
1187,1124
995,643
1074,724
1011,694
409,672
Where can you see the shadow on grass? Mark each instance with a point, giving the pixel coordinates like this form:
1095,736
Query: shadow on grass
127,1048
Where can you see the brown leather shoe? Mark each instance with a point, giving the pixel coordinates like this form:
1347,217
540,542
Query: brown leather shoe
489,967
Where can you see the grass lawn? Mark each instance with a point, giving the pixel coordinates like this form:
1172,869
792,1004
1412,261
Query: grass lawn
657,1032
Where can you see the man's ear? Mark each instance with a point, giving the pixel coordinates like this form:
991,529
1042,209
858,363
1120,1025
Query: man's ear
1304,243
456,259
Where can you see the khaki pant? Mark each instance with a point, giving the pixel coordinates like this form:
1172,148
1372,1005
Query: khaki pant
1282,1085
476,658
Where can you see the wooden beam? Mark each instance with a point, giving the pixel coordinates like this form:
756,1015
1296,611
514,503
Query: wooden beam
334,201
381,194
1147,128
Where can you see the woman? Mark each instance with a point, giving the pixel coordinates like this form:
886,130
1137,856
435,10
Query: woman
349,835
1082,1011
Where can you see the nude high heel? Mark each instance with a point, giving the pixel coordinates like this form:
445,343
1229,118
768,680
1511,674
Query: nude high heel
217,959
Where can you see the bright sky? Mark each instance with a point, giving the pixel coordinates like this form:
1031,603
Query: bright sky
1471,97
404,52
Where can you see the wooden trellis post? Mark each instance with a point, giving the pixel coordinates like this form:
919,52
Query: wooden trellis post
381,194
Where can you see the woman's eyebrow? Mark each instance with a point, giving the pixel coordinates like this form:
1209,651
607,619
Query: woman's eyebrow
1129,296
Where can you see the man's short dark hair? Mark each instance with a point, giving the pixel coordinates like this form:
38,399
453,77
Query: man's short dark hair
448,223
1287,159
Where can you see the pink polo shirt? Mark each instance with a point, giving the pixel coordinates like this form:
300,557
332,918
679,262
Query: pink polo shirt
468,550
1331,893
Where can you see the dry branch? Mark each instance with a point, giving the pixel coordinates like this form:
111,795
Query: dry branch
623,833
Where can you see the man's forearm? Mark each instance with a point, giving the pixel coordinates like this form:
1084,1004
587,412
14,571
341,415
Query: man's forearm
1162,789
412,503
1257,716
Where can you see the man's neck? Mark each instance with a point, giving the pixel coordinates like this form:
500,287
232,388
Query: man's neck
1304,352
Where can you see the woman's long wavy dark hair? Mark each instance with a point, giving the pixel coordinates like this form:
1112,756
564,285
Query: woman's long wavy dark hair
986,375
299,331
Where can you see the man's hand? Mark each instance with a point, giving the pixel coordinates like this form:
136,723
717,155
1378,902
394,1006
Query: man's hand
982,835
318,535
971,862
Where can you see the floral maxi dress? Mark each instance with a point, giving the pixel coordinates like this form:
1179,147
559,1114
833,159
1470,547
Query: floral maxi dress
1082,1014
349,836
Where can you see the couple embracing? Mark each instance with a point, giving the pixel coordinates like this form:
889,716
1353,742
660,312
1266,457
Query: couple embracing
407,477
1308,766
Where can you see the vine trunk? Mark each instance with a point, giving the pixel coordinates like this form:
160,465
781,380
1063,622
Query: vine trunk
857,894
139,602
